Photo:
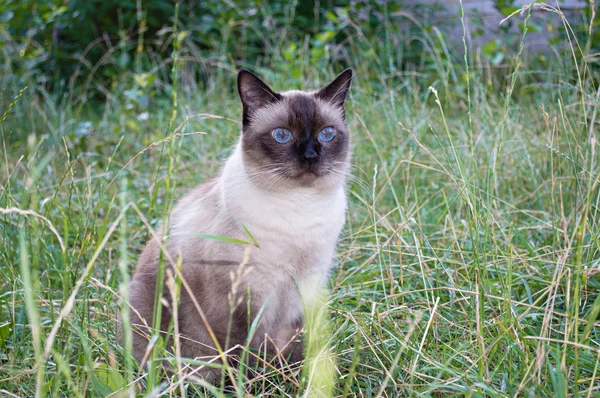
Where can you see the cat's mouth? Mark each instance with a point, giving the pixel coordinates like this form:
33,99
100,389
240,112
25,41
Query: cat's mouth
312,169
309,173
304,174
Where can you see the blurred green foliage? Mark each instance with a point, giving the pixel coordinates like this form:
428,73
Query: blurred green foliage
62,44
54,41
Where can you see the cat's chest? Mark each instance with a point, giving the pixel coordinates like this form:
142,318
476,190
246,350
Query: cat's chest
303,216
296,245
291,276
301,238
297,251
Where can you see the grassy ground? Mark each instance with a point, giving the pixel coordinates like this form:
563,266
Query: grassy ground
469,264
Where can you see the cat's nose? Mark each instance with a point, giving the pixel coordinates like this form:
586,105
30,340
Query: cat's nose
310,155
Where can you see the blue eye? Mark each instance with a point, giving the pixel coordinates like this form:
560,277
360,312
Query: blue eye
281,135
327,134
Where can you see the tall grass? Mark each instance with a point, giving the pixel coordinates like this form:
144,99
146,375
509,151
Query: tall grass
469,263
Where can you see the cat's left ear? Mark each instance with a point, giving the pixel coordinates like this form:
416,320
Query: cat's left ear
335,92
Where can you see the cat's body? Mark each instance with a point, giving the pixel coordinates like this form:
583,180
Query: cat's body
295,215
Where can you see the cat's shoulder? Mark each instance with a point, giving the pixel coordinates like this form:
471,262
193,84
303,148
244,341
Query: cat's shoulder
198,202
200,193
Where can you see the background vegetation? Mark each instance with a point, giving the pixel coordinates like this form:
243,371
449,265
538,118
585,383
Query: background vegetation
470,260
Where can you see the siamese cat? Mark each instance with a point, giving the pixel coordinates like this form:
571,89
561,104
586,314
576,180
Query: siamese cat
283,188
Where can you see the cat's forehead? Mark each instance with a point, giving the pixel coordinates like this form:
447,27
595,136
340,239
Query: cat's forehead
301,106
298,107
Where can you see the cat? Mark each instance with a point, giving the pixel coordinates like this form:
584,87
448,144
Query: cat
283,188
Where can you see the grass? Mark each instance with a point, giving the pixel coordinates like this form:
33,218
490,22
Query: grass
469,263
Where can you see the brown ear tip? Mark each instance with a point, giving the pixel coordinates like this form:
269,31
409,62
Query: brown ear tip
348,72
244,75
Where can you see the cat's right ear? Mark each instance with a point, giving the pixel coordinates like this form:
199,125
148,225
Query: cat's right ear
335,92
254,93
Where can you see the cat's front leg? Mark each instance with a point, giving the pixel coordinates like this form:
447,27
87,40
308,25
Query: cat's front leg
290,341
284,344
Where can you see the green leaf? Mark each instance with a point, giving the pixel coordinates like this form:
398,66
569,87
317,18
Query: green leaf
225,239
326,36
248,233
591,319
99,381
144,79
108,378
181,35
290,52
316,54
332,17
5,330
557,376
506,11
531,27
489,47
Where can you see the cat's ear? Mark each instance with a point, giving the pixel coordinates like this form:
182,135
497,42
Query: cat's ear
254,93
335,92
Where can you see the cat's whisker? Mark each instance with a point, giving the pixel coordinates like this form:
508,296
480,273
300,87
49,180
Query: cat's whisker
269,171
263,173
268,166
265,179
275,180
353,167
352,178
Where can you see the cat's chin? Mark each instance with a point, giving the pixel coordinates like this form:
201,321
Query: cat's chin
308,177
303,180
312,179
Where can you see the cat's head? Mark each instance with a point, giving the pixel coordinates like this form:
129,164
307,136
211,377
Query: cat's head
294,138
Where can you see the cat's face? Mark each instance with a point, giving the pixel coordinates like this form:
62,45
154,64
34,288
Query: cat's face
294,138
